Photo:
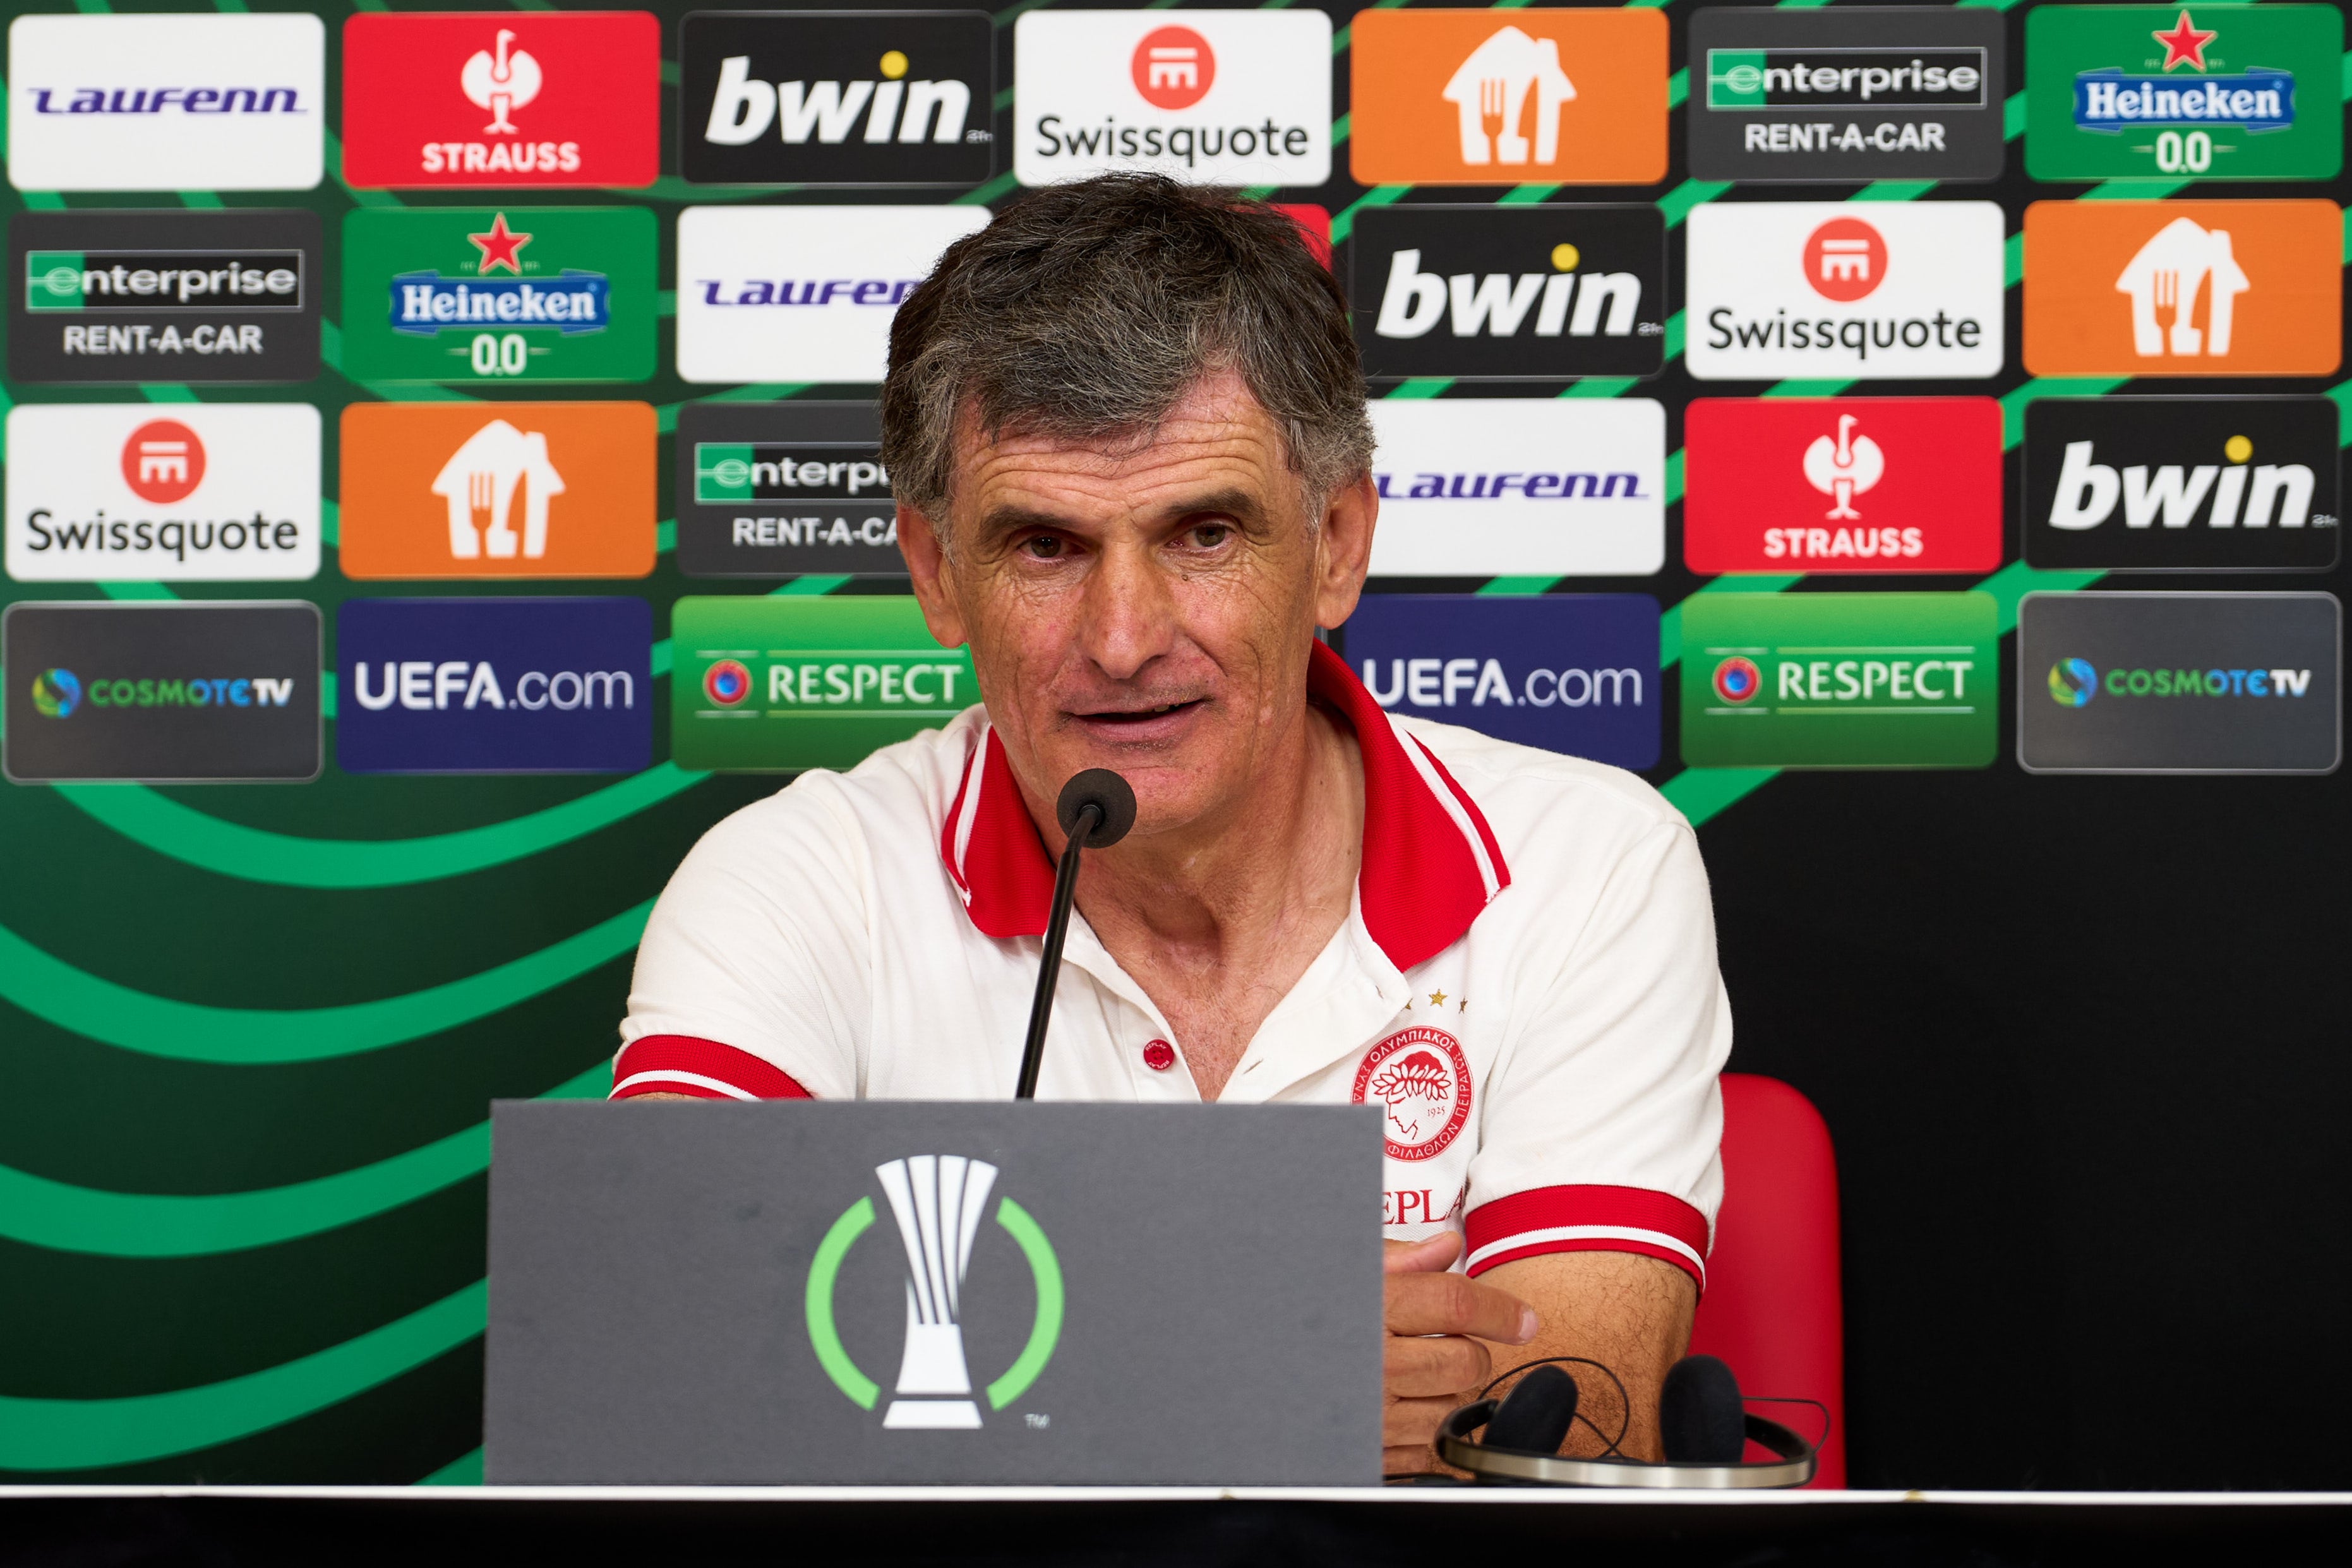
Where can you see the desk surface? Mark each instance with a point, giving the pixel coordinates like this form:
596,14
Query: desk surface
1421,1525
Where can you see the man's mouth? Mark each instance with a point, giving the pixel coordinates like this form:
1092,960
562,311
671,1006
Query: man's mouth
1140,716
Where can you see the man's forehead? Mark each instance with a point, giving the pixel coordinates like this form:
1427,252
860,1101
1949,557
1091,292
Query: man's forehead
1216,435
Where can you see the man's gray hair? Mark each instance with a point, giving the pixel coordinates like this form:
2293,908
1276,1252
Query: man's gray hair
1088,308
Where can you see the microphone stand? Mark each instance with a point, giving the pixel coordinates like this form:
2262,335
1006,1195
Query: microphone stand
1058,929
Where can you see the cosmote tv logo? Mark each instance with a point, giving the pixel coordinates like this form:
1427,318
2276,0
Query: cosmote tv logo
2075,682
938,1201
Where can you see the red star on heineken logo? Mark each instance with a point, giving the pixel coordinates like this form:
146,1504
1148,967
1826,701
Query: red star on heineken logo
2185,45
498,246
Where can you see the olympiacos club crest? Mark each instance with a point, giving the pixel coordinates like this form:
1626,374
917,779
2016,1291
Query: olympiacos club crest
1424,1079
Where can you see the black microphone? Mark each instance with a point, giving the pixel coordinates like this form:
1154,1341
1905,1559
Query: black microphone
1096,810
1700,1417
1534,1418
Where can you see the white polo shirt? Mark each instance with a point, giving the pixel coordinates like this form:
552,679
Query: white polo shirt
1526,979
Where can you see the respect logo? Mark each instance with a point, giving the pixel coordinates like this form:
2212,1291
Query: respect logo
1840,680
778,685
531,294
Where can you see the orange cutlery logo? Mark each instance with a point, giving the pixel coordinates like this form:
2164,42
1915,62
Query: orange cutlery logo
509,489
1498,98
2183,288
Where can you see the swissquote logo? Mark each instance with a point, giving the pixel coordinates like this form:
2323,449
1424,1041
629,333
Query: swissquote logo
455,294
1846,93
527,490
216,492
1816,289
1240,98
1549,486
1842,485
1423,1080
1509,293
555,98
1472,98
2229,92
940,1202
801,294
838,98
166,102
2186,287
2181,484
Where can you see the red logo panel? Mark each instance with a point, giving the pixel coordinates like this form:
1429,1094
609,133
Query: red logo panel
507,99
1843,485
1423,1078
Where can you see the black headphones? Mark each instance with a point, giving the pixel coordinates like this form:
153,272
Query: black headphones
1702,1419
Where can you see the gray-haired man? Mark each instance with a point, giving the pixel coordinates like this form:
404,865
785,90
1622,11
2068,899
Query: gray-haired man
1126,426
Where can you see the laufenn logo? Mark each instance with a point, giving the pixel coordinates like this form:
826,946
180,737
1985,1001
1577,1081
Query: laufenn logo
174,99
938,1201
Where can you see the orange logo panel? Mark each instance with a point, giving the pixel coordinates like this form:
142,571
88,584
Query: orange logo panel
498,489
2183,288
1508,97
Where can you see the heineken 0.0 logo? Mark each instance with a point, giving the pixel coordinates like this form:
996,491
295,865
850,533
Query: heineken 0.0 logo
939,1202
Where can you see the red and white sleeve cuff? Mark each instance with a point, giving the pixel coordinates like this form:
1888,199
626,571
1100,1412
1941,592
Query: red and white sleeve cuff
1588,1219
682,1064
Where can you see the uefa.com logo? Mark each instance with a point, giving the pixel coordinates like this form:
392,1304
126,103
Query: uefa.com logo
938,1201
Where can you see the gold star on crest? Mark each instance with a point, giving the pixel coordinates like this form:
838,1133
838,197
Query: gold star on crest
1437,998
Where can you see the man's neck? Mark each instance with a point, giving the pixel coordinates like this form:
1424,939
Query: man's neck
1219,920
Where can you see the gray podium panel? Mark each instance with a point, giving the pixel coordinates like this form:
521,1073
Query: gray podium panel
947,1293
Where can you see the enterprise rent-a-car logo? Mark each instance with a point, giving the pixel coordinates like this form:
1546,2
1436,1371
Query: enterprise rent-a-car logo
1230,98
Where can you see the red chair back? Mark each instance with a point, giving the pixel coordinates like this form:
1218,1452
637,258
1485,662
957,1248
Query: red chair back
1772,1310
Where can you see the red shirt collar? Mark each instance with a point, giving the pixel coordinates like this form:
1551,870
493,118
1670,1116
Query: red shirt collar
1430,861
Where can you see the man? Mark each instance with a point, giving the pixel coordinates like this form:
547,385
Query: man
1125,424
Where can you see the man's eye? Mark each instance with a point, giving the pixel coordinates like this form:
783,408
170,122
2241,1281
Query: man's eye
1044,546
1209,536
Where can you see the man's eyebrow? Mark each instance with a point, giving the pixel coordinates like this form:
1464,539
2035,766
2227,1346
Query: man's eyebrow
1237,503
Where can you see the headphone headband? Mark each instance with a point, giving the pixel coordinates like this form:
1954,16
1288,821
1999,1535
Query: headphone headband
1793,1467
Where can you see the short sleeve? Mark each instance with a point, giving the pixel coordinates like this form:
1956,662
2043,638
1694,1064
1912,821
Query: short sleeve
1604,1118
752,980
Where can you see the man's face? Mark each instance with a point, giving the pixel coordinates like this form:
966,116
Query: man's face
1144,604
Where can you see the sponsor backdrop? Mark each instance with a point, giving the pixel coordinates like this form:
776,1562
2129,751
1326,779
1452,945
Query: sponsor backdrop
1879,426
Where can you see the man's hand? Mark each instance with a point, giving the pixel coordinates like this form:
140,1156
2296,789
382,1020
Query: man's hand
1422,1377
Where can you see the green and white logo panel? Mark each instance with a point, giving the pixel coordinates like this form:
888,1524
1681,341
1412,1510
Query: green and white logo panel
2221,92
1840,680
495,295
786,683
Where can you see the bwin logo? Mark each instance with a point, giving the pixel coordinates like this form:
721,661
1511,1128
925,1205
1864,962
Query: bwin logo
1497,303
743,108
2088,491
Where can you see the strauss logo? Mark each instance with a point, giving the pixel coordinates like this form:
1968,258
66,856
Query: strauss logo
1843,468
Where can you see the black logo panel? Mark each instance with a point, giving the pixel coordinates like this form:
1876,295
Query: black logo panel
777,488
179,693
1486,293
2175,484
154,295
838,98
1846,93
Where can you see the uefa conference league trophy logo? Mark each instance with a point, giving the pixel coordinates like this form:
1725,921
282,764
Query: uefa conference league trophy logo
938,1200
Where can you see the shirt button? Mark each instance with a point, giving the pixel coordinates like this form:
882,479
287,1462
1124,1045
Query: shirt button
1159,1056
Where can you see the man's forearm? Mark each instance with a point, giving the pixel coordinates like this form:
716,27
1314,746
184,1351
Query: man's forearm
1631,1313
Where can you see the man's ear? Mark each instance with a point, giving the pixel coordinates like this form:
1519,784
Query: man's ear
1343,550
927,566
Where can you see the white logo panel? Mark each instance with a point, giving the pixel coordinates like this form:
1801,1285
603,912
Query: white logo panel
166,103
1519,487
163,492
1236,98
1844,290
801,294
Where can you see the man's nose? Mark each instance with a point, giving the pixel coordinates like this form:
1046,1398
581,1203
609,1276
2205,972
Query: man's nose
1129,612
